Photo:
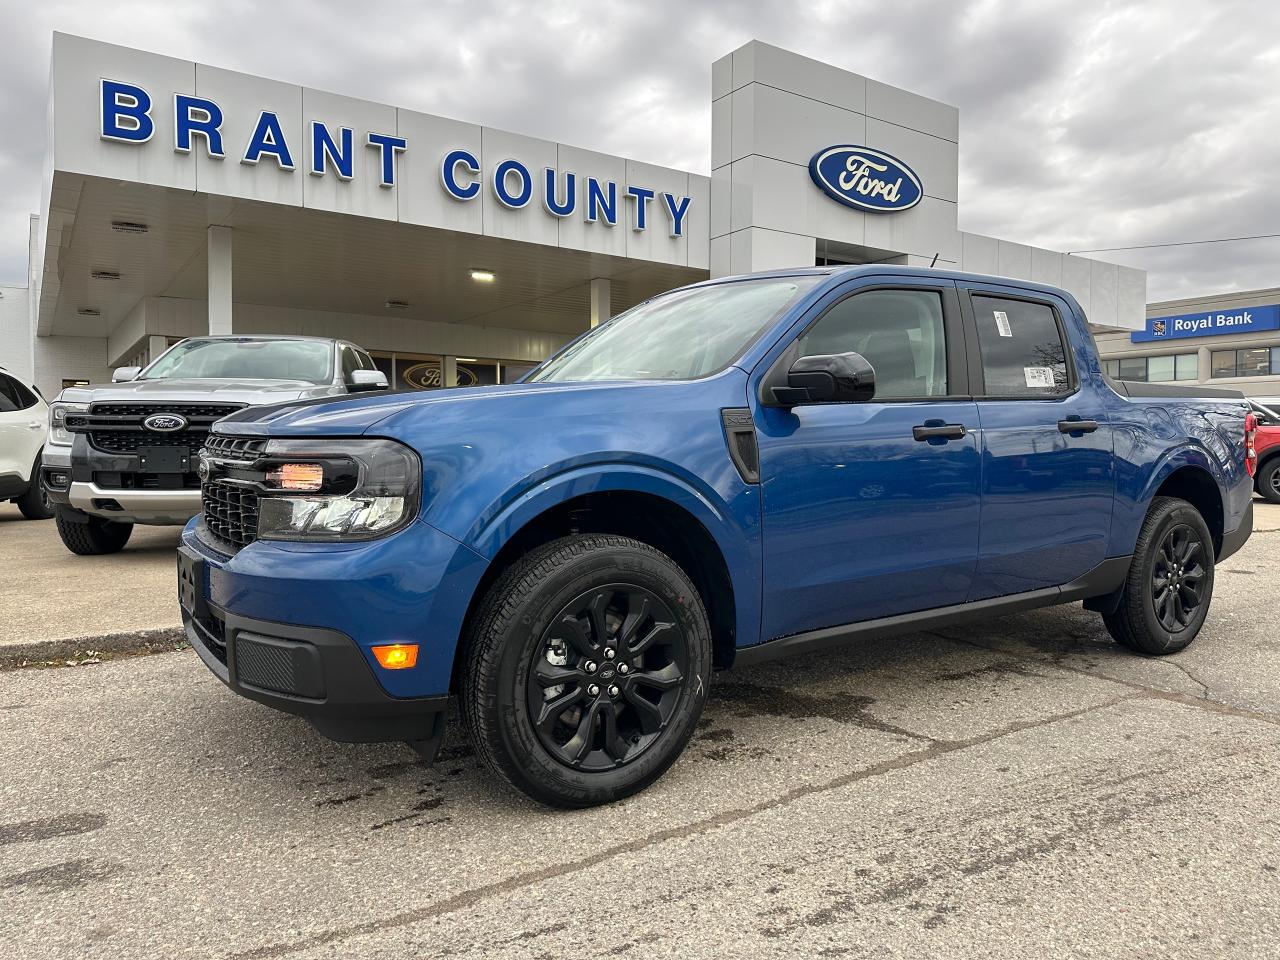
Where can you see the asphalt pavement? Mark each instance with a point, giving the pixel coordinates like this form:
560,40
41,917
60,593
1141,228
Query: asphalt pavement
1020,788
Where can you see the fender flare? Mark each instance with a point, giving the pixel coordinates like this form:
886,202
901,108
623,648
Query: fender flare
1184,455
491,535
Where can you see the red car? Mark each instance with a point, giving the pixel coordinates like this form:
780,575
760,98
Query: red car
1267,442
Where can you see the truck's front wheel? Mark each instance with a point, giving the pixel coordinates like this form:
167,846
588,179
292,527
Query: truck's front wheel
587,670
89,535
1170,583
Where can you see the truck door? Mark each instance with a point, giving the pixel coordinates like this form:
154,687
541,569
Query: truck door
1048,478
871,509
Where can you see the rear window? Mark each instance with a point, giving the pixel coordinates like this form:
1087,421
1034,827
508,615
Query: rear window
1023,354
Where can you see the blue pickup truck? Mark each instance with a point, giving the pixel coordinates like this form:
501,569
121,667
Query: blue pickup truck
733,471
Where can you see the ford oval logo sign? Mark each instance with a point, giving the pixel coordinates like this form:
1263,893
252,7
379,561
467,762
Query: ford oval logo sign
165,422
866,179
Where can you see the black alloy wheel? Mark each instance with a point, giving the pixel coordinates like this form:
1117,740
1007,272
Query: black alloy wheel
587,669
606,677
1166,593
1178,577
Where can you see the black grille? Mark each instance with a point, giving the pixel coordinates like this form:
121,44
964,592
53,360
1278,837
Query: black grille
117,427
200,411
130,441
245,449
231,512
114,480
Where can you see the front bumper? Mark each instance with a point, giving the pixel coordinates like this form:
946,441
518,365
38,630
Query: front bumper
138,506
313,672
292,625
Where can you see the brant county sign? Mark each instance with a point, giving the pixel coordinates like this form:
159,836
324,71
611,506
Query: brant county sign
865,179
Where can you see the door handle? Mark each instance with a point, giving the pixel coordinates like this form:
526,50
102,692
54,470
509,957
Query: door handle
1077,426
944,431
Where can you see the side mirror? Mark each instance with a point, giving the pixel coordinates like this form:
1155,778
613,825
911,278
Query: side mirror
362,380
828,378
125,374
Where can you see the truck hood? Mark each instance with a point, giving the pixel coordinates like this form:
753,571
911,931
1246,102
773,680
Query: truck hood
390,412
185,391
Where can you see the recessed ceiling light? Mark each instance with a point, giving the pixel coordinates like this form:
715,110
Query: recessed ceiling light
466,359
483,276
125,226
104,275
397,304
89,312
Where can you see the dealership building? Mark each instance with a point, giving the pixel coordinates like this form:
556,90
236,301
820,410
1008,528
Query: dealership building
183,199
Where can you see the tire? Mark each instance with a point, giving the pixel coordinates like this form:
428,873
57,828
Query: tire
34,504
1268,483
581,630
1174,548
90,536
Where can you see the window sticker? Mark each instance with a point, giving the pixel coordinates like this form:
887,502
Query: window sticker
1039,376
1002,323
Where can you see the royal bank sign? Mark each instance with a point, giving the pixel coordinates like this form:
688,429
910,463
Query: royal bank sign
1211,323
127,116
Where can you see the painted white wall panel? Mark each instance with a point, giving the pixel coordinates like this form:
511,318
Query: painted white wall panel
422,198
912,110
793,128
361,196
1103,292
1076,277
531,224
767,64
242,98
935,161
1014,260
574,229
979,254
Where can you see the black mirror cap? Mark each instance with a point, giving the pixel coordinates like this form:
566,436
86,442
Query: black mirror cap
828,378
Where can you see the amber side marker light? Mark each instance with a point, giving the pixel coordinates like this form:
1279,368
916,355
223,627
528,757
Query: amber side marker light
397,656
297,476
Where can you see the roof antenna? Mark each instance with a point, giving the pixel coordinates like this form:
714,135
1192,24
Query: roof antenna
934,262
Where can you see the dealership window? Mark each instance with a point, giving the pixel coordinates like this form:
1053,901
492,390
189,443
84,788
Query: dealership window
900,334
1022,350
1178,366
418,371
1249,362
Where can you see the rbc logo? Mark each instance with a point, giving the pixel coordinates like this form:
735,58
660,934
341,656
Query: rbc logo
865,179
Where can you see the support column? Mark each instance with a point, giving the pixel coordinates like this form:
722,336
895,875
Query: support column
155,346
449,372
601,301
219,280
1204,364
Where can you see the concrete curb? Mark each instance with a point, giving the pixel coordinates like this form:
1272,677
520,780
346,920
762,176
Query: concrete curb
77,651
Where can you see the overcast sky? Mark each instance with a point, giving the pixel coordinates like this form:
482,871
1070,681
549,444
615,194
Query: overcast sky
1082,125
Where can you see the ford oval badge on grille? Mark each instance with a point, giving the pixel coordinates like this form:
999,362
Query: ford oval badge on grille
866,179
165,422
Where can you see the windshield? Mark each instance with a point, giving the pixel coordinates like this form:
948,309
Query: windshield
310,361
681,335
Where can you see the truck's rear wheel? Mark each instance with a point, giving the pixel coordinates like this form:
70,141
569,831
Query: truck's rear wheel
587,670
88,535
1170,583
1269,480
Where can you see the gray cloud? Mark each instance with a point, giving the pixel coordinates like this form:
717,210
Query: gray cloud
1082,124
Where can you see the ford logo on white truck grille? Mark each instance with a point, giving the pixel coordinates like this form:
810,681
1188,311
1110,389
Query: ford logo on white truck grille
165,422
866,179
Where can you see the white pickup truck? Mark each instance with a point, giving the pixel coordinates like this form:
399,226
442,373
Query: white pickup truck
126,452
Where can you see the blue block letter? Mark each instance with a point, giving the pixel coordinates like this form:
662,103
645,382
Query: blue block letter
324,151
601,204
390,146
449,174
549,193
203,118
643,197
676,211
268,140
126,112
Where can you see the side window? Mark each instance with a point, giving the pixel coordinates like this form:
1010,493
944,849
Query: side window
1022,350
350,363
8,396
13,392
899,332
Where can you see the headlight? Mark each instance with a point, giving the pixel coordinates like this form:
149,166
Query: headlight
59,435
337,489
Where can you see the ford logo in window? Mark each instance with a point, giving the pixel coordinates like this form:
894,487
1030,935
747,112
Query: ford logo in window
866,179
165,422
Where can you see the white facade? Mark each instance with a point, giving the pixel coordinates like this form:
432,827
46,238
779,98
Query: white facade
254,205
